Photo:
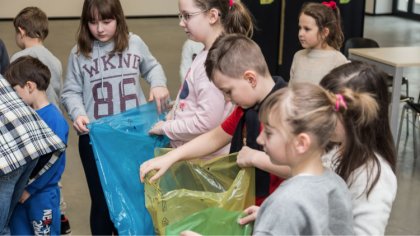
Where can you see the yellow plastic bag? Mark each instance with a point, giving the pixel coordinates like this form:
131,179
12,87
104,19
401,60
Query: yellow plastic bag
189,187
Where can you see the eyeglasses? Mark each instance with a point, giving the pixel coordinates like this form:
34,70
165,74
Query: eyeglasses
185,16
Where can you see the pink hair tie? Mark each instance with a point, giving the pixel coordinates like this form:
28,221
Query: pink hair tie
340,102
330,4
230,4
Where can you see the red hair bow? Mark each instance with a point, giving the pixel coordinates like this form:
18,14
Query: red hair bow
230,3
330,4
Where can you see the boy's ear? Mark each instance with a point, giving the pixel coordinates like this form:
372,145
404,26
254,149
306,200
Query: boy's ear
31,86
302,142
21,31
214,15
251,77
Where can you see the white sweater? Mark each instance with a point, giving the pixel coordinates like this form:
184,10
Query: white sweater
371,213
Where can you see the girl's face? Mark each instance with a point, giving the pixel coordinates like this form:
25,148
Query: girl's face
276,144
193,20
309,34
103,29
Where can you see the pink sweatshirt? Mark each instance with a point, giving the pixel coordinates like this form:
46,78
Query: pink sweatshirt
199,107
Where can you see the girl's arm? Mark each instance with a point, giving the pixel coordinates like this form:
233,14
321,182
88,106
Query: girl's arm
72,94
209,112
152,72
202,145
249,157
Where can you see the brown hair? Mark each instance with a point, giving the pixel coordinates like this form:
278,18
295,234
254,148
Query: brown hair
33,21
362,143
105,9
306,107
27,68
235,18
233,54
326,17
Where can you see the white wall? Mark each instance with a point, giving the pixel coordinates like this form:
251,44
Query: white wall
73,8
378,6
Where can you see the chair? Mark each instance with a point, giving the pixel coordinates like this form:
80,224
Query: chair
358,42
410,105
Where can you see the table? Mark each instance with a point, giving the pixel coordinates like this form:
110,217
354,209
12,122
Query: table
392,60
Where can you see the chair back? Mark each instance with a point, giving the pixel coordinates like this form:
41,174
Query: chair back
359,43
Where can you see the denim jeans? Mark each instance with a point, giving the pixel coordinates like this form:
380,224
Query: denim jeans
12,186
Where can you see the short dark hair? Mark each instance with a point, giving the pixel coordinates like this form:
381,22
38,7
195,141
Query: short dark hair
233,54
34,21
26,69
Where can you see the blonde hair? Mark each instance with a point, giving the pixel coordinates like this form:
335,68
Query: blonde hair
308,108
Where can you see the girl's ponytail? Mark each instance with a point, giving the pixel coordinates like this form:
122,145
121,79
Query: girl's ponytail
238,19
234,15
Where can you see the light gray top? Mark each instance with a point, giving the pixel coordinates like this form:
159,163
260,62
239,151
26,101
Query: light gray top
53,64
109,83
311,65
307,205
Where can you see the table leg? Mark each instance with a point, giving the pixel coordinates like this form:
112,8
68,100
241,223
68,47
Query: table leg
395,101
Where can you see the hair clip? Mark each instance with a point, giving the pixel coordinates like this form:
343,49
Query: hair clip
230,4
340,101
330,4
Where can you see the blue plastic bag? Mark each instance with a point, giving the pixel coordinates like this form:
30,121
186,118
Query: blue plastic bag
120,144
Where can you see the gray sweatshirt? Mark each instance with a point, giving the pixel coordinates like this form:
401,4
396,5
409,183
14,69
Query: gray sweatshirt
106,83
307,205
53,64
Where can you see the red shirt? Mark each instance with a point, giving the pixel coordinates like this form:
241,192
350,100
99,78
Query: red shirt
229,126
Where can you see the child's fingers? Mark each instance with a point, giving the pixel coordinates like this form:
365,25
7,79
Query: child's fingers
251,209
247,219
158,105
157,176
143,171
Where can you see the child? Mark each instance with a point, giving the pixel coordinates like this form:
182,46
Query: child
103,79
39,211
200,106
321,37
367,163
237,67
298,122
190,50
20,130
4,58
31,26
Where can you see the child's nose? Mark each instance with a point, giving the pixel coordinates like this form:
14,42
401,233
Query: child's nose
260,140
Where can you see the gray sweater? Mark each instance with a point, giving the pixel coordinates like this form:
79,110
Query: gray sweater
53,64
106,83
307,205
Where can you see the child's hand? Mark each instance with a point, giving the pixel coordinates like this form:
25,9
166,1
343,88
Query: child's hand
157,128
251,214
161,164
246,156
160,95
189,233
24,197
80,124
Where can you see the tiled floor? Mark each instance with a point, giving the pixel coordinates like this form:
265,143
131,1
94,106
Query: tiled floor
388,31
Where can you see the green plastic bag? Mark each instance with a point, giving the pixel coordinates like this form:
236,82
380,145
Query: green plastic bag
193,186
223,222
